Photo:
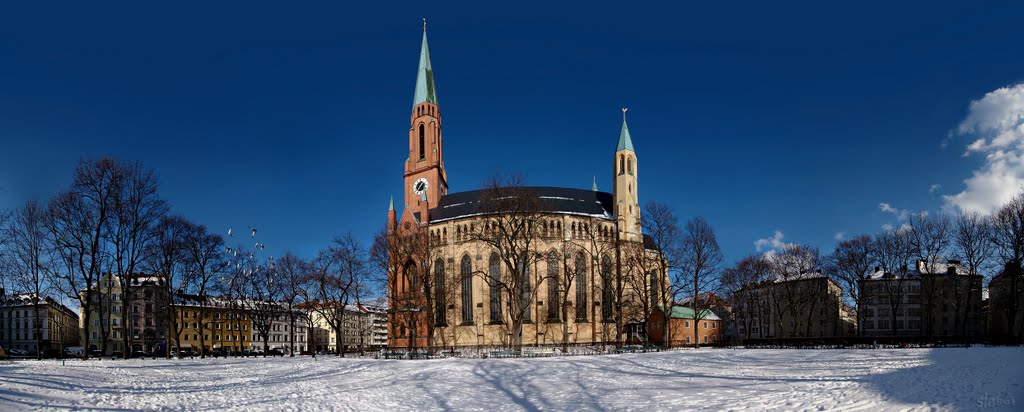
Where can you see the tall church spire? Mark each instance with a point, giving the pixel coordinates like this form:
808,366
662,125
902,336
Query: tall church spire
627,201
425,91
625,143
425,179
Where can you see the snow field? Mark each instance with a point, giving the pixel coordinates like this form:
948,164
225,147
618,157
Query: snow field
976,378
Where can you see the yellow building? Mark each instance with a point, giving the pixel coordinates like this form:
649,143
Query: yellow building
219,324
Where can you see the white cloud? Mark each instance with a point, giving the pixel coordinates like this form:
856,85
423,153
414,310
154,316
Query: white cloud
771,244
840,236
901,214
934,188
997,122
887,227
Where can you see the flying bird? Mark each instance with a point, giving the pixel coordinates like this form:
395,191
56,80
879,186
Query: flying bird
253,231
229,231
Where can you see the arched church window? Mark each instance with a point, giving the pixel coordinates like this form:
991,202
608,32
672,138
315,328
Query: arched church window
422,144
494,281
622,164
629,165
607,313
439,294
524,287
581,287
554,309
466,273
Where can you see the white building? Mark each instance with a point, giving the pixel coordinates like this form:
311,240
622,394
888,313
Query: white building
58,324
363,327
281,334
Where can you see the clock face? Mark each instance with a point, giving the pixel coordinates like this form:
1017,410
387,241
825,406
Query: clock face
420,186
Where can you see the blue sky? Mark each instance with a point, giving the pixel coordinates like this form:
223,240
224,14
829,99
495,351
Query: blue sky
800,119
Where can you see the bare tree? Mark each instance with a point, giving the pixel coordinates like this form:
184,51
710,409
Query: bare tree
700,265
137,207
511,221
167,257
929,239
791,296
6,261
385,258
972,243
77,222
332,272
205,261
893,251
405,256
850,264
596,239
31,260
743,284
292,271
670,250
640,278
1008,239
257,289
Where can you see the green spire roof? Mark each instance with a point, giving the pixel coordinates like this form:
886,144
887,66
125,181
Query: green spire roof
392,205
625,143
595,183
424,75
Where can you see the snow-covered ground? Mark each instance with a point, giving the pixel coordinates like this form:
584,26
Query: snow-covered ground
714,379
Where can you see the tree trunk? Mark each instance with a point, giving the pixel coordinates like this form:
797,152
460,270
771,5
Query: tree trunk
38,330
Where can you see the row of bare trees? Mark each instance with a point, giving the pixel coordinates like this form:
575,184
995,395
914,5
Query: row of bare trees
101,223
112,221
982,244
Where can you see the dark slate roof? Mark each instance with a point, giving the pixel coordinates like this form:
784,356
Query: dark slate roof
649,242
554,200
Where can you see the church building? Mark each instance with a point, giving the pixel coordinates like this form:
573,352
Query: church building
510,265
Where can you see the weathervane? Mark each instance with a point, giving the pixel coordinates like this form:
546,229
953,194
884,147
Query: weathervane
624,113
424,24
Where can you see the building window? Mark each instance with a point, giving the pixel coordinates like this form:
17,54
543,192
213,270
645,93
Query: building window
466,273
494,280
554,308
422,148
581,287
524,287
607,310
439,299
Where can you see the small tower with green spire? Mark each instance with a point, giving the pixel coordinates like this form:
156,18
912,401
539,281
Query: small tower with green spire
627,201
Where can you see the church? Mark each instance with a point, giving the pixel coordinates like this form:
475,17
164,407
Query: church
510,265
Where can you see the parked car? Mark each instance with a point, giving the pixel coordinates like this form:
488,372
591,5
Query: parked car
17,352
140,354
275,352
74,351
